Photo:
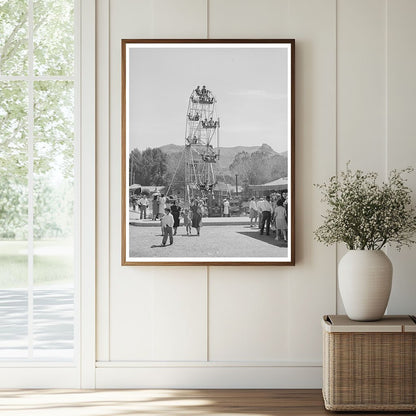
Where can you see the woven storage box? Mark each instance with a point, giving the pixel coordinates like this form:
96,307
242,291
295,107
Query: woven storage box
369,366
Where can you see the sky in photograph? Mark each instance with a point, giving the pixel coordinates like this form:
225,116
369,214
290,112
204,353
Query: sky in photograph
249,84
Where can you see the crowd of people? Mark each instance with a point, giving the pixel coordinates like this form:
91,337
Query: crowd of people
270,213
170,214
141,203
192,218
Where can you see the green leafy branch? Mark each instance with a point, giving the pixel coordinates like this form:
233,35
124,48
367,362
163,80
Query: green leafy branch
366,215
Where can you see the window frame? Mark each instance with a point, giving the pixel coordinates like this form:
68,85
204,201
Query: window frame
80,372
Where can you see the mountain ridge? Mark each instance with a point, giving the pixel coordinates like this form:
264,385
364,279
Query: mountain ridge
173,148
227,154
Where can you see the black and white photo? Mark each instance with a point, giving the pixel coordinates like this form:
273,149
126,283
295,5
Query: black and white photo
208,152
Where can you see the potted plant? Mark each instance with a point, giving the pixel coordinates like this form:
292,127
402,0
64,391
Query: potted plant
366,215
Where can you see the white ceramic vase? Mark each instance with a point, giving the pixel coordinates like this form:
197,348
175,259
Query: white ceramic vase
364,278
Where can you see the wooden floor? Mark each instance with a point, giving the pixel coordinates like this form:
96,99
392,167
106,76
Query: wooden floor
164,402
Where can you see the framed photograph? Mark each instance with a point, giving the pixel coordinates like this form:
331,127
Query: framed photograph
208,156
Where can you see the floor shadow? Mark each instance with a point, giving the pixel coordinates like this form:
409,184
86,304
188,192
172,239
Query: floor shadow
269,239
166,402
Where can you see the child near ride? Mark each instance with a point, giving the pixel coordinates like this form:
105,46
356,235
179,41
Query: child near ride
187,221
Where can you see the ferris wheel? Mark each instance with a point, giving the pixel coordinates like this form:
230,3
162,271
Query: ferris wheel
201,143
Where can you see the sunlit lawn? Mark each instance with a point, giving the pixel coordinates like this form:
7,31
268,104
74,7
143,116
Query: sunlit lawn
53,263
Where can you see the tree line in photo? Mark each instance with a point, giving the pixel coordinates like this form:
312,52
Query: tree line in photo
156,167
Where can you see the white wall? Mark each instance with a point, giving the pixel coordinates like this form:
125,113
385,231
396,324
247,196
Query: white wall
248,326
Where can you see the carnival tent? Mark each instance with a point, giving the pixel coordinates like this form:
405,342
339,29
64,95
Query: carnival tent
153,189
146,189
276,185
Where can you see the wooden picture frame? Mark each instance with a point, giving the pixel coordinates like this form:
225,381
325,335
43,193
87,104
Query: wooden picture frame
177,96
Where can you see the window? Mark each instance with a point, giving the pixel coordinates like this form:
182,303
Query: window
38,185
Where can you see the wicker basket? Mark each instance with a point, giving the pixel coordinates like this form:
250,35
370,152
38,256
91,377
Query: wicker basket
369,366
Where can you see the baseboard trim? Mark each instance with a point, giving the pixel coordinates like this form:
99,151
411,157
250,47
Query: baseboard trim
210,377
204,364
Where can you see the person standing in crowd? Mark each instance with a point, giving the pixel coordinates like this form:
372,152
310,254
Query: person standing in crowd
273,201
167,227
226,204
155,208
259,209
176,212
196,211
266,211
143,204
135,202
187,221
253,211
162,205
280,220
285,201
132,201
